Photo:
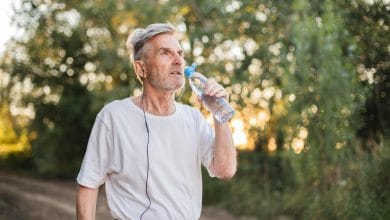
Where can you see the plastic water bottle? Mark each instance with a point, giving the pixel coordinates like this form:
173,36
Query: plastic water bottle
220,108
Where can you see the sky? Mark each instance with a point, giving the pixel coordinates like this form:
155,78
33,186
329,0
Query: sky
5,23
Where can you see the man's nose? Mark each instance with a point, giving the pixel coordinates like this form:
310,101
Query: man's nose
178,59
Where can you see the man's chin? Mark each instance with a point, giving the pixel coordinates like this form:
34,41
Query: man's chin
179,91
179,86
175,88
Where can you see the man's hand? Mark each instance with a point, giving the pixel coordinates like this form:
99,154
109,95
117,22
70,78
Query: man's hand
212,88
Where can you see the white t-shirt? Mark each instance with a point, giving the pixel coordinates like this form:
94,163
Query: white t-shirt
116,155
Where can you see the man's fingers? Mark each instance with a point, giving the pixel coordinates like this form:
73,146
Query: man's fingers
209,85
212,88
222,94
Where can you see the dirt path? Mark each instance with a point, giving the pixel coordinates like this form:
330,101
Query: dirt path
28,198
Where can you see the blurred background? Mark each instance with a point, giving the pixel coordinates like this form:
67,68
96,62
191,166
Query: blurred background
309,81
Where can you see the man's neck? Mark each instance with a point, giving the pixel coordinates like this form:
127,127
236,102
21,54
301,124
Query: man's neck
157,104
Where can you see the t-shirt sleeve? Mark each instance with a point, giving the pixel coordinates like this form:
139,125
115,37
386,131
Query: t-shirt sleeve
207,143
95,164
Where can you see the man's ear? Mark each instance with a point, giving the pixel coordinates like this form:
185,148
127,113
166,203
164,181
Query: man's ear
139,68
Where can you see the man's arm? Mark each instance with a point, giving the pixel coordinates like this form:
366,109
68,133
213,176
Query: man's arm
86,202
224,164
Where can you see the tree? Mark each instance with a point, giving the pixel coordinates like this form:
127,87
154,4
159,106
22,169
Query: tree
368,23
298,73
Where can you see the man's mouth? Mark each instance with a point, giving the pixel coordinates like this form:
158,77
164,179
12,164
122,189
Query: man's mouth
176,73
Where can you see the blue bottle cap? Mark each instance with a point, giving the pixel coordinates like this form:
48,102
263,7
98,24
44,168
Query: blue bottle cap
189,70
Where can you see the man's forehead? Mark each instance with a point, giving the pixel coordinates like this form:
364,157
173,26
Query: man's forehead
165,41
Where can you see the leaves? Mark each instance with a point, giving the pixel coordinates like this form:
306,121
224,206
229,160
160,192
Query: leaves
298,73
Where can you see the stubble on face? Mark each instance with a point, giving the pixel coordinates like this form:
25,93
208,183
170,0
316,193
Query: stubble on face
163,66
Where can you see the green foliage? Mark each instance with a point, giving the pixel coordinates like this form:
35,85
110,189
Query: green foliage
58,151
299,73
369,26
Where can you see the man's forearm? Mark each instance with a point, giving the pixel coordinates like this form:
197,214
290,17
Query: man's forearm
224,164
86,203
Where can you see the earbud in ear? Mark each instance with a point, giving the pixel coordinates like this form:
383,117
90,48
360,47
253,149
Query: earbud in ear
143,75
139,69
143,72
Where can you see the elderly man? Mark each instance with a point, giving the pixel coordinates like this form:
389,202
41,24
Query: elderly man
148,150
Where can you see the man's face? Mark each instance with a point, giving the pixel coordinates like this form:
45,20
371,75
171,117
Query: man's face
164,63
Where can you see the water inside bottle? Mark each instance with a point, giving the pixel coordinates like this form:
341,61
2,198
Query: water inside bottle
197,85
222,111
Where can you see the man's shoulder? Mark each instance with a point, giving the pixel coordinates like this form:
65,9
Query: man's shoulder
186,108
116,107
189,110
112,105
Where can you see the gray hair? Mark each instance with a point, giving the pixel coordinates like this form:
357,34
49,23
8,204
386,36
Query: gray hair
137,39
